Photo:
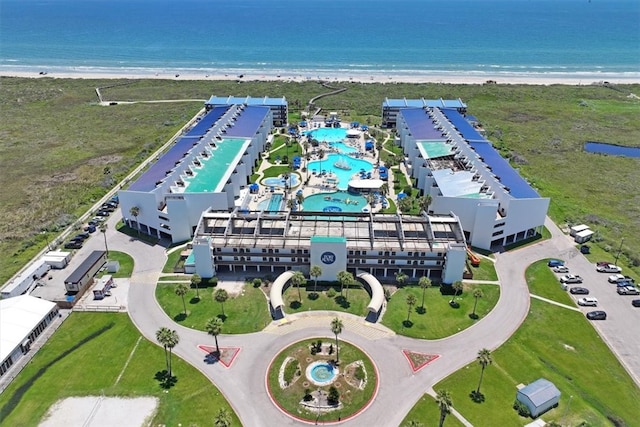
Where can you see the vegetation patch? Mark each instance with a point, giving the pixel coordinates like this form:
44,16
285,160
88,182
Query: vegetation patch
296,391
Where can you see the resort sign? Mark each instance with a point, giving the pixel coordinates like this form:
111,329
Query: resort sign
328,258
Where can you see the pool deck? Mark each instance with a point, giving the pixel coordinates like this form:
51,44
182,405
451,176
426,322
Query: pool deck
317,183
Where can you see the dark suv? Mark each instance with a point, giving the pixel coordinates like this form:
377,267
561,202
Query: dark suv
597,315
73,245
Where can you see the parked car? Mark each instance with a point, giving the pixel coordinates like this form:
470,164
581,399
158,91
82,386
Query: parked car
97,220
107,208
102,213
82,236
599,263
73,245
615,278
628,290
624,282
570,278
588,301
560,269
579,291
635,302
90,228
555,263
597,315
608,268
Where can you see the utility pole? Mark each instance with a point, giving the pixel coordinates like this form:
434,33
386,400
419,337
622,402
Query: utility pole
619,251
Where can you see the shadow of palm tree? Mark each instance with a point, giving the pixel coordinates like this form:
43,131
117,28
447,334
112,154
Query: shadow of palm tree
407,323
295,305
180,317
476,396
342,302
222,317
194,300
421,310
166,381
212,358
473,316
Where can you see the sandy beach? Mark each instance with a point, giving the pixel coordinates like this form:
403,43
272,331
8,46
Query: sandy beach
468,78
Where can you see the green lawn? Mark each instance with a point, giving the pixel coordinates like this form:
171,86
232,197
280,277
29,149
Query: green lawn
352,398
485,271
561,346
440,319
172,260
245,313
356,303
426,411
86,356
126,264
543,282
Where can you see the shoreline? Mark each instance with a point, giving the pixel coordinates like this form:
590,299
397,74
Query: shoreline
574,79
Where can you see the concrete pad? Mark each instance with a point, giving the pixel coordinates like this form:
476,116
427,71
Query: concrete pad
98,411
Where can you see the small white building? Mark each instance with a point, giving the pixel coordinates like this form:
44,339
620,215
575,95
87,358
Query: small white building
583,236
539,396
57,259
24,318
25,279
577,229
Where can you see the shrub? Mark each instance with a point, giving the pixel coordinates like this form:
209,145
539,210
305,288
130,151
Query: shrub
257,282
334,396
307,395
522,409
290,371
331,293
359,374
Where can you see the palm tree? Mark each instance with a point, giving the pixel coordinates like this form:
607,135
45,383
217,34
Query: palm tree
172,340
296,280
457,287
424,283
379,149
195,281
214,327
103,230
484,359
299,199
425,202
414,423
411,301
315,272
443,399
476,294
401,277
384,189
320,156
181,291
221,296
345,278
135,211
336,328
223,419
162,335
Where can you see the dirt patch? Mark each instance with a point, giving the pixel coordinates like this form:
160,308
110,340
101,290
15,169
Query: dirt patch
61,177
98,411
104,160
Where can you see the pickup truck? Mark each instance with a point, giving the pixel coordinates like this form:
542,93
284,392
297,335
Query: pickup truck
608,268
628,290
571,278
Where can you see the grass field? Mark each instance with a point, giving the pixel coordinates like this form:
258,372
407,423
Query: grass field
561,346
439,319
426,411
85,358
244,313
354,300
88,148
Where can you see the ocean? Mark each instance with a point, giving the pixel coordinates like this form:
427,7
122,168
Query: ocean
347,37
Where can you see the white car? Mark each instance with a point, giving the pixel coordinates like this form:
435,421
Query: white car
608,268
570,278
589,301
615,278
561,269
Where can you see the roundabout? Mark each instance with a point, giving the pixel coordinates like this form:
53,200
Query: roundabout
306,382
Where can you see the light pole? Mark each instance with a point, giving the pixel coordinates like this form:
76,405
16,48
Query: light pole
619,251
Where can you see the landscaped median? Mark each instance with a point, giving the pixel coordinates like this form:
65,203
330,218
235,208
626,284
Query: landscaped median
557,344
103,354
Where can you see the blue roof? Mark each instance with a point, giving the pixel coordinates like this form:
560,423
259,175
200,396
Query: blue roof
465,128
422,103
167,161
248,122
420,124
248,100
509,177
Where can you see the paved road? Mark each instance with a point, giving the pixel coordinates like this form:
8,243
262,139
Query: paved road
243,384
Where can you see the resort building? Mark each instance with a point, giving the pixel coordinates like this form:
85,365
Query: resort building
391,107
462,172
270,243
279,106
208,166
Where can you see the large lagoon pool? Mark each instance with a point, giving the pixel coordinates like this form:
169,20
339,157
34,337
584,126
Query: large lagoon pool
339,201
279,181
327,134
343,148
342,174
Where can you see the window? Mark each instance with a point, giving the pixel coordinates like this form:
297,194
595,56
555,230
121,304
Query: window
497,233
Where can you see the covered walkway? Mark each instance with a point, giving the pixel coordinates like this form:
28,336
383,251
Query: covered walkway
377,295
275,295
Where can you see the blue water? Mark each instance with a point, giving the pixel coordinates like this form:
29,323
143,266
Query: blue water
327,134
352,37
611,149
343,175
293,181
339,201
272,204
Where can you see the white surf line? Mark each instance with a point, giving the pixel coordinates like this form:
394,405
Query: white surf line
128,360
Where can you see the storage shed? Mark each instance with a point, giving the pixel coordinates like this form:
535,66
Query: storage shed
57,259
577,228
583,236
539,396
103,286
24,281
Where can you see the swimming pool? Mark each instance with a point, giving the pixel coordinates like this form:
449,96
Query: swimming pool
327,134
208,177
343,175
294,180
272,204
344,148
339,201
